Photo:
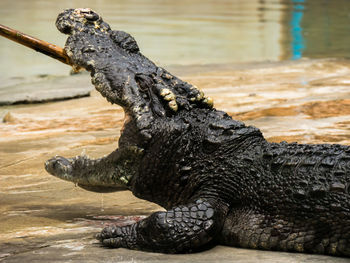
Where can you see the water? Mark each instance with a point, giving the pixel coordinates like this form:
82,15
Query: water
188,31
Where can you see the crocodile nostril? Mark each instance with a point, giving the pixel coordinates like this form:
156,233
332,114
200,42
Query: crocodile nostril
87,13
90,15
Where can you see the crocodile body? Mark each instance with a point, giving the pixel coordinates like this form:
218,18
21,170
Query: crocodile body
219,180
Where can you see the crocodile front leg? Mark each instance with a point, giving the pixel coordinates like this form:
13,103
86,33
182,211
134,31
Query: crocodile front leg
181,229
107,174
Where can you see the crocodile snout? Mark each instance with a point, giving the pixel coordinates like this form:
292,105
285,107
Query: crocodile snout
59,167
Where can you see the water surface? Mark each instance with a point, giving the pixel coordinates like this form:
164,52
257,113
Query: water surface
189,31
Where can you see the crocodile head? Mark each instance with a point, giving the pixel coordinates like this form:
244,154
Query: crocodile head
148,94
121,73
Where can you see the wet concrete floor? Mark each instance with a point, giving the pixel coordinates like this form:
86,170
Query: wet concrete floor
46,219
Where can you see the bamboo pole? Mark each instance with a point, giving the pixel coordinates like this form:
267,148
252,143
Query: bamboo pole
41,46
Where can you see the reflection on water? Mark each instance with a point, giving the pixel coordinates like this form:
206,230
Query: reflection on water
297,42
189,31
318,29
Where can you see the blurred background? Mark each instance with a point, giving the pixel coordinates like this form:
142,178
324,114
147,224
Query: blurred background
188,32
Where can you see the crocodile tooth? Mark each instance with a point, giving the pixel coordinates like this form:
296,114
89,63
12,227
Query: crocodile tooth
200,95
167,76
209,101
169,97
173,105
123,179
165,92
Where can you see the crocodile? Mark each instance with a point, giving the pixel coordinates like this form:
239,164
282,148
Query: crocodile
219,180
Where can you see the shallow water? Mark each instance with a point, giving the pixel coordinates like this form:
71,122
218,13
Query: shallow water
188,31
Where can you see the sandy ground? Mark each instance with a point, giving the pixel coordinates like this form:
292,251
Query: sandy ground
46,219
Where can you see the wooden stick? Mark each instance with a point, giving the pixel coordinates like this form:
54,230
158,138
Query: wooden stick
36,44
